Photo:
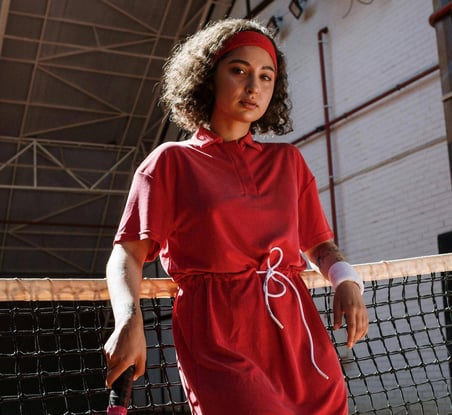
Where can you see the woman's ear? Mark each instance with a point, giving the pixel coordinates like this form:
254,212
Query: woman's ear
211,86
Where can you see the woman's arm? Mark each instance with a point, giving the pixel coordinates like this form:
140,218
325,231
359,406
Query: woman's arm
348,300
127,344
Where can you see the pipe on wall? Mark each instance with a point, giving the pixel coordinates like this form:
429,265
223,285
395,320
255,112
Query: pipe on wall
326,116
440,14
368,103
326,127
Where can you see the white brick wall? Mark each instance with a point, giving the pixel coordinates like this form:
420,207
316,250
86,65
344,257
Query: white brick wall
393,195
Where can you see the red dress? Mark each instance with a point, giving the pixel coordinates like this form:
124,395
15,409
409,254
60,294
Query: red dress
229,220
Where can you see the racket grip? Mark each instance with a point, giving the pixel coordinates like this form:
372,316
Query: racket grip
120,393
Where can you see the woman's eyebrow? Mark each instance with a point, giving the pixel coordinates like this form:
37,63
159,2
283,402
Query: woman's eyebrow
246,63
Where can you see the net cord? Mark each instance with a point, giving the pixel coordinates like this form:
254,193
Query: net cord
86,289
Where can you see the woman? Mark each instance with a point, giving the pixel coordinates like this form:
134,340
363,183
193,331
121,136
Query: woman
229,218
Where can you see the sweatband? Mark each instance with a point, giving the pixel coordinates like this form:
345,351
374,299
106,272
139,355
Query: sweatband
342,271
249,38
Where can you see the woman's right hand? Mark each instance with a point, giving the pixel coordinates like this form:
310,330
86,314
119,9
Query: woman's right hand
126,347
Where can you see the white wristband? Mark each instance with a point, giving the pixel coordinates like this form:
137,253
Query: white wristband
342,271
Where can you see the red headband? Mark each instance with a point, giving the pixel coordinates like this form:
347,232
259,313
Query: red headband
249,38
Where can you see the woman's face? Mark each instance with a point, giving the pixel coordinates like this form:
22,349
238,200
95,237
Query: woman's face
243,86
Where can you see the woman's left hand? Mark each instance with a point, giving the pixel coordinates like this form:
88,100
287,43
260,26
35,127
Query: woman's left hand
348,301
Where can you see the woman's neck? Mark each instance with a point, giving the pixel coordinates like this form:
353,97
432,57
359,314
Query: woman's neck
230,131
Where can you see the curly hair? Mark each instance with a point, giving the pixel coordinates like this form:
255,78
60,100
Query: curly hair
189,72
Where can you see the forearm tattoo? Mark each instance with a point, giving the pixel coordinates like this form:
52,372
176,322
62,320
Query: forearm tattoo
327,250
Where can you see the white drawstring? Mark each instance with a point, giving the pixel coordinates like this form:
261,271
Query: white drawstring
271,274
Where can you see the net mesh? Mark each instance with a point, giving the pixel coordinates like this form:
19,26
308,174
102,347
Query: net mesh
51,359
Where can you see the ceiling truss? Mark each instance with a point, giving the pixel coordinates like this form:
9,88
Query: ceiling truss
78,112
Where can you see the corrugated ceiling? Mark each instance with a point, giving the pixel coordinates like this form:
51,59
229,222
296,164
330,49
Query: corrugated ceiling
79,88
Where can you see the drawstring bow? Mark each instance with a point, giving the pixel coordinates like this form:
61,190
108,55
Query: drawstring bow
272,274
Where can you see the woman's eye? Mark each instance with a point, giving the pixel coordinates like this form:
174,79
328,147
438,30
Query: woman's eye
238,70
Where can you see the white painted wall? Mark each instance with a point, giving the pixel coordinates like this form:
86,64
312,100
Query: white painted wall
391,164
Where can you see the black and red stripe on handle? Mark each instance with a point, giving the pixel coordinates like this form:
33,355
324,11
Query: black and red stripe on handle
120,393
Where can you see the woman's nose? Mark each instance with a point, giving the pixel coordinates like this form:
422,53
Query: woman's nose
252,85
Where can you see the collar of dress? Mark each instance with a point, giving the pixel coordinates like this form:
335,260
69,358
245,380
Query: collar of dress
204,137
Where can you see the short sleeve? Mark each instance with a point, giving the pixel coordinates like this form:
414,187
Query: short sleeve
313,223
147,213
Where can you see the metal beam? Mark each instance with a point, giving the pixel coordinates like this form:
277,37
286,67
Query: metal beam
4,10
55,164
441,20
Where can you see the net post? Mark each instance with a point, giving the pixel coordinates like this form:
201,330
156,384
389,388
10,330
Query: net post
444,247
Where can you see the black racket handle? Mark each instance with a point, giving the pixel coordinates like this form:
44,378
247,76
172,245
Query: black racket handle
122,388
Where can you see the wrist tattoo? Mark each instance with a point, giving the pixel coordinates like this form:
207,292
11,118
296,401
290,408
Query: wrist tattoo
328,250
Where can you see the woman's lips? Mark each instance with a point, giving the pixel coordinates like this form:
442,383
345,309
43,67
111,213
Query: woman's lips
249,104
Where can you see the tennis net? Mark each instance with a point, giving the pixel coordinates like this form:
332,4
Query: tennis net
52,332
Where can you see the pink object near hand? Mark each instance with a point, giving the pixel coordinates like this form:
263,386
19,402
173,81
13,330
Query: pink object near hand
116,410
